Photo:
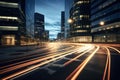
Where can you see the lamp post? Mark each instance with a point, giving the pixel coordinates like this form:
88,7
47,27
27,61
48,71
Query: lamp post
70,21
102,23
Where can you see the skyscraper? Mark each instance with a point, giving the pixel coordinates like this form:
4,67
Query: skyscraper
63,24
68,5
39,26
80,26
29,12
105,20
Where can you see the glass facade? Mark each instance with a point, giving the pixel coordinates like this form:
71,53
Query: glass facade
80,15
107,11
68,5
29,11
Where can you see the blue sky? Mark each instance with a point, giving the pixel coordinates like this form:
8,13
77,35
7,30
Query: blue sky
51,9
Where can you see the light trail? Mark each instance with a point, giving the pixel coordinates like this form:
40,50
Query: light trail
32,62
107,66
24,56
38,65
33,58
70,61
115,49
77,71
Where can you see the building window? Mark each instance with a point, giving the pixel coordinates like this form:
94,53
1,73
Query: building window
13,28
8,18
84,16
8,4
81,2
81,30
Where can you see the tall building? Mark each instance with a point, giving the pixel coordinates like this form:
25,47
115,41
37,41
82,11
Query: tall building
105,20
68,5
16,21
12,22
29,12
39,26
80,26
63,24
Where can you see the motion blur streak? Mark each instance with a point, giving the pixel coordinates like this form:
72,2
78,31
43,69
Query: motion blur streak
77,71
77,56
33,59
51,58
115,49
32,62
107,66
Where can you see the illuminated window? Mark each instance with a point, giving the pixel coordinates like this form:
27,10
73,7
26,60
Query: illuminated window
81,2
8,4
8,18
87,26
13,28
78,27
75,12
81,31
84,16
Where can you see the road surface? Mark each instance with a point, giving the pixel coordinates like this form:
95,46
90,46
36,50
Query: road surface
64,61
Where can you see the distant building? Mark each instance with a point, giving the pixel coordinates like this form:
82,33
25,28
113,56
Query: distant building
63,24
59,36
12,22
29,12
16,21
68,5
105,20
46,35
80,26
39,26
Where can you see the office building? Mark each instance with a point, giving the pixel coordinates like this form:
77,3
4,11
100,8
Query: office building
29,12
12,22
63,24
80,25
16,21
105,20
68,5
39,26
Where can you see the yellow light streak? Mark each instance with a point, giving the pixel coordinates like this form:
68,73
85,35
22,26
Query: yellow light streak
108,65
77,71
77,56
51,58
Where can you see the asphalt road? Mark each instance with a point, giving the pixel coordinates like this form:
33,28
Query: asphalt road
63,61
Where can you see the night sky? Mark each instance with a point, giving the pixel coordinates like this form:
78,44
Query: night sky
51,9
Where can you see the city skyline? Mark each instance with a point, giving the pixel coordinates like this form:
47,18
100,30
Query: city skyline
52,11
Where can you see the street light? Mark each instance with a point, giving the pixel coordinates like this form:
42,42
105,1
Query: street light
70,21
105,36
102,23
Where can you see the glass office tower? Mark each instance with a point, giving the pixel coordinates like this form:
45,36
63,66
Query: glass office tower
105,20
80,26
